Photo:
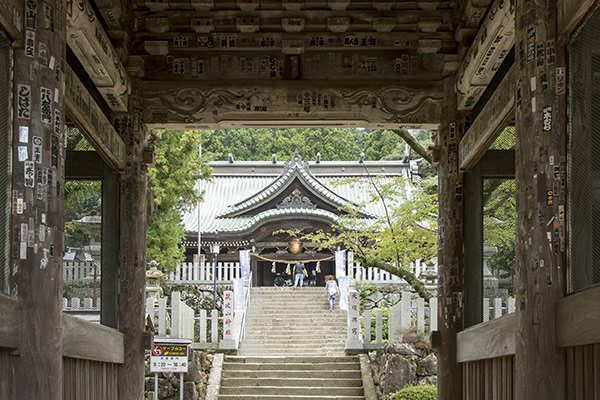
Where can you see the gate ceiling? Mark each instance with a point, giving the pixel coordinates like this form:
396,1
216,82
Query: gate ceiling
262,62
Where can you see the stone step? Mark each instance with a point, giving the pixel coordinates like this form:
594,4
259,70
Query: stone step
292,390
299,373
311,360
291,339
292,382
291,366
279,397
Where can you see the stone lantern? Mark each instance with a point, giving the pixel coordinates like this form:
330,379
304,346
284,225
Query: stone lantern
153,278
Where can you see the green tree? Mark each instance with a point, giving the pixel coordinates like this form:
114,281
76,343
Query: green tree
171,185
407,232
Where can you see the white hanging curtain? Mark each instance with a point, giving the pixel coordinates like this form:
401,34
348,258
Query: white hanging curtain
340,263
245,263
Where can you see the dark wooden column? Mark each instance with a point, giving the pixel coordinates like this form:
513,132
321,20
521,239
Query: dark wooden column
110,248
450,248
37,183
540,178
132,266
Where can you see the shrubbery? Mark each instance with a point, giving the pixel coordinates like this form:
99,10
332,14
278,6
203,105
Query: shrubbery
427,392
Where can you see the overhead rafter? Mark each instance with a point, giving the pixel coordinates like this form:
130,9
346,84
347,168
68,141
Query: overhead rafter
493,41
84,111
92,46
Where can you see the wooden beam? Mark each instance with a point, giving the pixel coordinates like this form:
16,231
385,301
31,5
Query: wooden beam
90,43
490,121
11,19
578,319
110,249
80,339
571,14
492,43
540,365
88,341
207,105
491,339
84,111
10,322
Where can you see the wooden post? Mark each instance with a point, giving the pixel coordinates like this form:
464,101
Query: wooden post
37,184
450,248
110,248
540,179
132,268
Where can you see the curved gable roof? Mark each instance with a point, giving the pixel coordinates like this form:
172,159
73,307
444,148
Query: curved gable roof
296,169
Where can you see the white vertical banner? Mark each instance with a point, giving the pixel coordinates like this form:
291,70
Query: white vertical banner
238,294
340,263
245,264
343,285
353,339
227,314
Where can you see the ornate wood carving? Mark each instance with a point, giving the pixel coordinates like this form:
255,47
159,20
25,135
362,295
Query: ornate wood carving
498,109
92,46
83,109
494,40
189,104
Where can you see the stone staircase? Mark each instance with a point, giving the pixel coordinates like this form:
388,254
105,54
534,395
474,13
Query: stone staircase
293,349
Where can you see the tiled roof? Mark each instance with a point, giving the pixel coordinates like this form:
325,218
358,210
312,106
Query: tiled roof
229,192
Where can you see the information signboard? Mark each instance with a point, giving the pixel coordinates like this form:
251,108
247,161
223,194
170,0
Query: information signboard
169,355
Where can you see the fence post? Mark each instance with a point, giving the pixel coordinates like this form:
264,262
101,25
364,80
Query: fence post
378,326
420,316
405,311
433,314
202,326
175,314
486,309
367,332
497,307
214,326
394,326
353,342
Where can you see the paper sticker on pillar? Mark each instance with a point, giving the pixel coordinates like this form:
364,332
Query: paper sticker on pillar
549,198
29,174
531,45
23,134
22,153
547,119
29,43
46,105
561,83
24,101
37,149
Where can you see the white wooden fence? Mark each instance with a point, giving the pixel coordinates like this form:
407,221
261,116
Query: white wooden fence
375,275
495,308
77,271
410,314
77,304
203,272
227,271
177,319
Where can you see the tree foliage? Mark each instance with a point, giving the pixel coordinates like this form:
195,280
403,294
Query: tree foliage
406,233
333,143
171,189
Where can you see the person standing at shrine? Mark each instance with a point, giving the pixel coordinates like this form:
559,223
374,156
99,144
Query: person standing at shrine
299,272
